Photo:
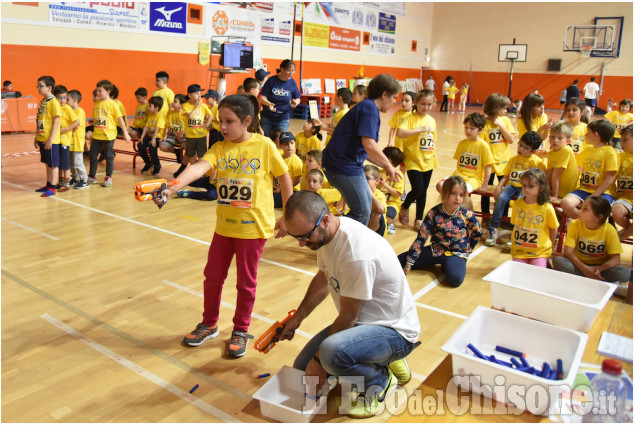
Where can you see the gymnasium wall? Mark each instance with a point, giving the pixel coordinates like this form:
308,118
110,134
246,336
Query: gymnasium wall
78,58
468,34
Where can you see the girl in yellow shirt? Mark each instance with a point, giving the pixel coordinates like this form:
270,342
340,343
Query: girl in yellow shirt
573,115
246,164
533,117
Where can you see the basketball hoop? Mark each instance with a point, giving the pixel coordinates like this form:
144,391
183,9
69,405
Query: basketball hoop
585,51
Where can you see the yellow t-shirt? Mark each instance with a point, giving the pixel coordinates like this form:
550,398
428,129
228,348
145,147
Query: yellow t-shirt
564,158
623,187
245,183
472,159
536,123
497,143
332,197
45,121
215,125
194,128
595,163
175,122
399,186
304,145
106,114
619,120
79,134
123,111
140,116
464,91
452,90
337,116
592,247
395,122
168,97
419,149
517,165
382,199
532,223
294,163
156,125
577,138
67,118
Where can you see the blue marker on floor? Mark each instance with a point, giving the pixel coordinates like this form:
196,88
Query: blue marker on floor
264,375
194,388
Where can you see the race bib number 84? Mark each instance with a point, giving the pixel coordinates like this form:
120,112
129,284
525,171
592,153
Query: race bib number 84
235,192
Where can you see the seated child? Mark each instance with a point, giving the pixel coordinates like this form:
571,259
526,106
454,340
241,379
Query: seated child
592,247
313,162
532,239
342,101
393,190
517,165
205,182
562,168
173,139
453,231
294,163
135,130
620,119
474,157
274,135
211,98
332,196
598,167
377,221
308,140
151,135
623,190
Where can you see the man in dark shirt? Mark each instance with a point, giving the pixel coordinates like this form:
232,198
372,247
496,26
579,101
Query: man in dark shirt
573,90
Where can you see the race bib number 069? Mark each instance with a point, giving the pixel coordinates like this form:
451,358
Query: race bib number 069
235,192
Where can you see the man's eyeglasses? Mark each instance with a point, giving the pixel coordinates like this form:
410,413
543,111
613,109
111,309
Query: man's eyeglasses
308,235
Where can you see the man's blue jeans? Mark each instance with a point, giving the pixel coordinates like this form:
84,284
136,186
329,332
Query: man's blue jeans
356,194
364,350
508,193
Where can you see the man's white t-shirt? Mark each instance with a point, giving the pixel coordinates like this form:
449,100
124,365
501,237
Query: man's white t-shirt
591,90
431,85
360,264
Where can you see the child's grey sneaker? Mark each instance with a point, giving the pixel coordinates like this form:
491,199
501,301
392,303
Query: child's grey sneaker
107,181
491,238
92,180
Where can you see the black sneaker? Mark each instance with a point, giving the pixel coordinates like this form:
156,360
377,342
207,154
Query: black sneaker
146,168
156,170
180,170
199,335
238,344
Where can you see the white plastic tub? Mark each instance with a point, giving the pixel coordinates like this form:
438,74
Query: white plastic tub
541,342
283,398
551,296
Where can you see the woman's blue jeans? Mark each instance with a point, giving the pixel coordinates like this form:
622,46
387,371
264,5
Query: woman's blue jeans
267,125
356,194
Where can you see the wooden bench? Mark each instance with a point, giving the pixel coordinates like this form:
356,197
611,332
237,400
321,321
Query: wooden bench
135,152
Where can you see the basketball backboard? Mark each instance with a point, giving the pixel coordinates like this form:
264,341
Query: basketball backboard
597,38
512,52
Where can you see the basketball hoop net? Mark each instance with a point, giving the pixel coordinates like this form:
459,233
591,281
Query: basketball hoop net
585,51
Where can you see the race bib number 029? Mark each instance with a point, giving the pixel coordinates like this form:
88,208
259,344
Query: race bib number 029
235,192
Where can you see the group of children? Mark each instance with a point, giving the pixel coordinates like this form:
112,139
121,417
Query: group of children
248,169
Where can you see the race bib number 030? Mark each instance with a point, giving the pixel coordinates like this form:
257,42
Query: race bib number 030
235,192
469,160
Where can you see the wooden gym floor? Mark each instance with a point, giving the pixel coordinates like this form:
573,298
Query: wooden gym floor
98,290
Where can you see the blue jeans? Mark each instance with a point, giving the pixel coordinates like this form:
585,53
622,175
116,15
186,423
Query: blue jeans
453,266
502,203
268,125
210,193
356,194
364,350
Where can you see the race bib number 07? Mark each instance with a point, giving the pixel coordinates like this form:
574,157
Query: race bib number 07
235,192
426,141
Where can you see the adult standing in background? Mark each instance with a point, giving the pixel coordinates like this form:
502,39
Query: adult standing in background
573,90
445,92
431,84
591,90
278,95
355,139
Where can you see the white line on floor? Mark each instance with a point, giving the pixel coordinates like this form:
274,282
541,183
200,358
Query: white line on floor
183,394
30,229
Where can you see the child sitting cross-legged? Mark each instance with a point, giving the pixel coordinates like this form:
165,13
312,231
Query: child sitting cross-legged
510,186
332,196
592,247
377,221
293,161
453,231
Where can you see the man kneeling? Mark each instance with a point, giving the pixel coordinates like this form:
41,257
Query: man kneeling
377,325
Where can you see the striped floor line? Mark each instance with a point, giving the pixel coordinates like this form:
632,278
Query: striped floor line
30,229
440,310
183,394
